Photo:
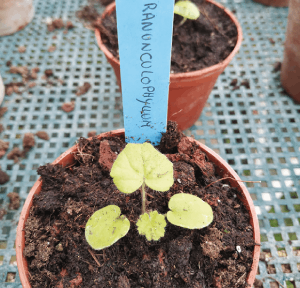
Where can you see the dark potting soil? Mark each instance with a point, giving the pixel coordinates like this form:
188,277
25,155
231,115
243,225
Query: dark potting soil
197,44
58,255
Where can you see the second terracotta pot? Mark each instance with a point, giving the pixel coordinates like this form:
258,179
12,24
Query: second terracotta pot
188,92
2,90
274,3
67,158
290,69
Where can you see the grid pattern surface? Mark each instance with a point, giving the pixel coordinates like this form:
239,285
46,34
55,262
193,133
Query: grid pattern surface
255,128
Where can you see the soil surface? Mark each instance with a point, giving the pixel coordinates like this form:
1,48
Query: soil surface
58,255
197,44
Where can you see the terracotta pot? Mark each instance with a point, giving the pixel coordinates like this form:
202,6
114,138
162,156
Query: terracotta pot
15,15
290,68
2,91
275,3
67,158
188,92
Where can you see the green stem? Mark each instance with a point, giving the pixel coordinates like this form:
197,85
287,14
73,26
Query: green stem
143,197
182,22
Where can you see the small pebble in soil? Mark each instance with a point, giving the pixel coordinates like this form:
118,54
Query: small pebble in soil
68,106
28,141
277,67
14,201
21,49
59,247
83,89
4,178
42,135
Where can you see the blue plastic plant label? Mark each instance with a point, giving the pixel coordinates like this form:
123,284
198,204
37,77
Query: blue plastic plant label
145,38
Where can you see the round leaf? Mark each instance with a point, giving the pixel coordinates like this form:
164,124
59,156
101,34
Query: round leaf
187,9
138,162
127,170
105,227
152,225
189,211
158,169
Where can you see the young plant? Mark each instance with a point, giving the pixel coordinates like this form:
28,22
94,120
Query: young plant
186,9
139,166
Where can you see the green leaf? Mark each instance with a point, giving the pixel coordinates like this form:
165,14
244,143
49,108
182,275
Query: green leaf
152,225
189,211
187,9
138,162
105,227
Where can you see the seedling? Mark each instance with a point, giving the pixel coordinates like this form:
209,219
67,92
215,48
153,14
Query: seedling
186,9
140,166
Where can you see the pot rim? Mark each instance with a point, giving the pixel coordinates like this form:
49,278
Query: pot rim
177,76
67,158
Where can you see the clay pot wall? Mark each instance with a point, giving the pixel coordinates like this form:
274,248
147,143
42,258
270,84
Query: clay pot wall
67,158
275,3
2,91
290,69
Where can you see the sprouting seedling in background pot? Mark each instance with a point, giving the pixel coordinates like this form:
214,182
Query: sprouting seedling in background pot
186,9
142,166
